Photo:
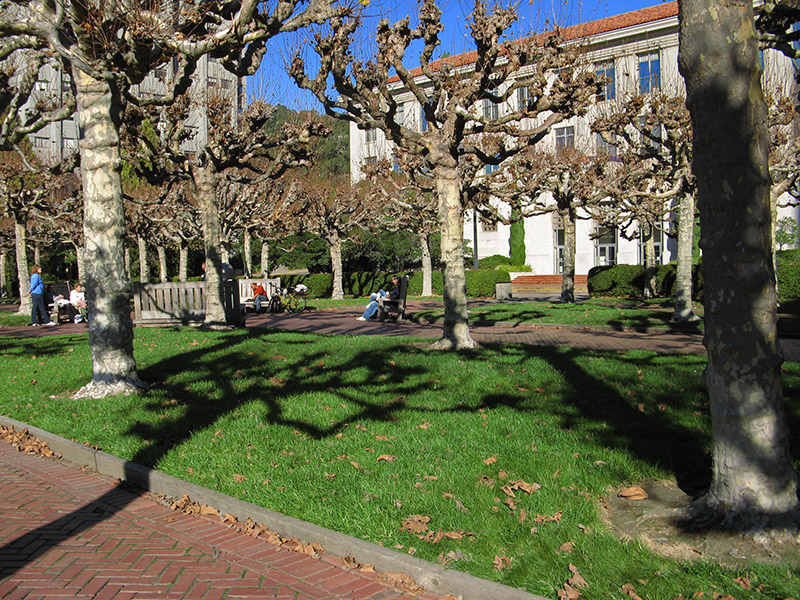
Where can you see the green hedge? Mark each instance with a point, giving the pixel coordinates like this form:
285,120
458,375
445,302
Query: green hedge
619,280
480,284
490,262
788,275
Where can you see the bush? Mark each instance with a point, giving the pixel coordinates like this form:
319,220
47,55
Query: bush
513,268
491,262
415,283
788,263
481,284
665,281
619,280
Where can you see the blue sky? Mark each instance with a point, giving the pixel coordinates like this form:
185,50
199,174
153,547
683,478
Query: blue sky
276,87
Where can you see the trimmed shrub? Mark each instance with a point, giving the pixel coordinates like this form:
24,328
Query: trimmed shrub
491,262
320,285
516,242
513,268
788,265
415,283
619,280
481,283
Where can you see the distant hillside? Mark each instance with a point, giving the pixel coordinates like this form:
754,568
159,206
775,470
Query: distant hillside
331,153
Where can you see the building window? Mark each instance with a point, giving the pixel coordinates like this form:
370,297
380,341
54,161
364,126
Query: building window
650,142
213,82
565,137
523,99
160,73
68,144
227,84
491,168
400,114
41,86
490,109
370,160
396,164
370,136
423,120
605,247
605,148
606,71
39,142
658,242
649,72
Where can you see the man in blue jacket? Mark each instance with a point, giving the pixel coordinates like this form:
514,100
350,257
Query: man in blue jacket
37,296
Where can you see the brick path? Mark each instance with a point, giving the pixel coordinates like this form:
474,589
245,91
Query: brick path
67,533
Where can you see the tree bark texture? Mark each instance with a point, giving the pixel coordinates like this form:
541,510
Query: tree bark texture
451,223
23,273
108,290
568,277
205,184
3,275
264,258
684,309
183,261
649,245
335,249
80,255
427,264
753,483
162,263
248,252
144,268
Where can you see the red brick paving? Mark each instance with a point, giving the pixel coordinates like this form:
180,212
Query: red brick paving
68,533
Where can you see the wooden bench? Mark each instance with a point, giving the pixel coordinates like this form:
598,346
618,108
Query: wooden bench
394,307
271,285
181,303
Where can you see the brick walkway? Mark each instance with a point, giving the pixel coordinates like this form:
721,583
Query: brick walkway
67,533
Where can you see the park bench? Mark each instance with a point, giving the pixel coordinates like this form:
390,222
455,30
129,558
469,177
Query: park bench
60,311
394,307
181,303
271,285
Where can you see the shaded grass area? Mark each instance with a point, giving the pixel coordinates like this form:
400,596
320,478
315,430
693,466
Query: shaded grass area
358,434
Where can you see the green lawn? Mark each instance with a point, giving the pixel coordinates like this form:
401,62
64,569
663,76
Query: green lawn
360,433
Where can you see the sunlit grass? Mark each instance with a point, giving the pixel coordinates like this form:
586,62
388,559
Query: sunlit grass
359,433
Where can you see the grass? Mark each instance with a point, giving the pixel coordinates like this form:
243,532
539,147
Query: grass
360,433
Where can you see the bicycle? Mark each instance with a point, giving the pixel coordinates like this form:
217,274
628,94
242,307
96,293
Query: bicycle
293,299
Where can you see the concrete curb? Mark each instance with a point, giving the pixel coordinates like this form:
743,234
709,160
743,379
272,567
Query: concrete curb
432,576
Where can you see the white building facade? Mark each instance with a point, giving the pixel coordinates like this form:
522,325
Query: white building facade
638,53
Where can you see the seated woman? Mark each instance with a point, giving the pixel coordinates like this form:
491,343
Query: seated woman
77,299
372,307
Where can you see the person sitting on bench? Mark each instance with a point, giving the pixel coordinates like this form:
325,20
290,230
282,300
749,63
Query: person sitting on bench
372,307
259,295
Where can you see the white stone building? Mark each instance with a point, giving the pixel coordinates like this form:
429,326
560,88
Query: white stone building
638,53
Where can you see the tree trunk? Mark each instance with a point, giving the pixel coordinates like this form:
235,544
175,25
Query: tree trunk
753,483
335,248
144,268
684,310
127,259
183,260
427,264
162,263
649,246
3,275
248,253
451,223
224,252
108,291
37,254
80,259
568,277
205,184
23,274
264,258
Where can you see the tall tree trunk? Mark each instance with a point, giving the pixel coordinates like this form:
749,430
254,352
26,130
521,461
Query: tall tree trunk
335,248
568,277
451,223
127,259
3,275
23,274
649,247
162,263
247,244
427,264
264,258
205,184
80,259
108,291
37,254
516,238
144,267
225,252
753,483
684,309
183,260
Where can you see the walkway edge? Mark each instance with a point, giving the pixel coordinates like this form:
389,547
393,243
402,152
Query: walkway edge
429,575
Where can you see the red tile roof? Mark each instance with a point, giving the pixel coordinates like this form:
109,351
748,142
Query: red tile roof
637,17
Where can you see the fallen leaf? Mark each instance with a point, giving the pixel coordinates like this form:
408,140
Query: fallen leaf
239,478
567,547
350,562
501,563
386,457
744,582
415,524
490,460
632,493
577,579
631,591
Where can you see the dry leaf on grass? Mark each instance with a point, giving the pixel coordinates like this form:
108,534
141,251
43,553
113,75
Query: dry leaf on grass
511,487
386,457
567,547
501,563
490,460
631,591
632,493
577,579
416,524
556,518
744,582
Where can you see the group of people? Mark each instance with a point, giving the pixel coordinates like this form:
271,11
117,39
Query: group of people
41,297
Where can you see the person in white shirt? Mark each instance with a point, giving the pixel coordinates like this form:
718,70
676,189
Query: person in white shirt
77,298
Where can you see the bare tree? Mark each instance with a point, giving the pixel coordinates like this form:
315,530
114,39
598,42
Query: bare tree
107,47
449,140
754,485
